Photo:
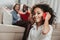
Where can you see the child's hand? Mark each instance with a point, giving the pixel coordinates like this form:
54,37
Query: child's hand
48,16
46,28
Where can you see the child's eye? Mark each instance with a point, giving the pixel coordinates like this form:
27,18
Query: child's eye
38,13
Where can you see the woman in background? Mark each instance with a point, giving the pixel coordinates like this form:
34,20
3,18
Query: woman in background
26,14
15,14
43,18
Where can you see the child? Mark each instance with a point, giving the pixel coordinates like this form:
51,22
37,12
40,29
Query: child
43,17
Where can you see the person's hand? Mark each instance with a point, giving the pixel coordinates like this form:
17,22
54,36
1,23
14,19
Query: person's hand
20,12
46,27
48,16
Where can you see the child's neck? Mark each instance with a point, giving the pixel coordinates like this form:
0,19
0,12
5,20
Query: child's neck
38,25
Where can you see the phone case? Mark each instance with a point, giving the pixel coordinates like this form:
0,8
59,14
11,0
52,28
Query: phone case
44,15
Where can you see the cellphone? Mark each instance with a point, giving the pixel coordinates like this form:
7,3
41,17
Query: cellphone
44,15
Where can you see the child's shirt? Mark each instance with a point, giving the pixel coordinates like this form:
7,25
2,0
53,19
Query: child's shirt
37,34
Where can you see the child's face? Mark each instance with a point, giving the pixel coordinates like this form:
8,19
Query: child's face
38,14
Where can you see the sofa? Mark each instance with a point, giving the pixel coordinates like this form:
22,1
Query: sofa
7,30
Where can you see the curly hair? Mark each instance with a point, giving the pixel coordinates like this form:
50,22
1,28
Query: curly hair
45,8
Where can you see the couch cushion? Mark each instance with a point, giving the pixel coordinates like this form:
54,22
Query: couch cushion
7,17
11,28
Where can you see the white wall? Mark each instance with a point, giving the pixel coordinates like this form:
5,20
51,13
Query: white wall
55,4
30,3
23,1
58,11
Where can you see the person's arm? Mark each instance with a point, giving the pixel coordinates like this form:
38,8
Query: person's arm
46,27
14,15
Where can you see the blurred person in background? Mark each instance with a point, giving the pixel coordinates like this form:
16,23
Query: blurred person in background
26,16
26,13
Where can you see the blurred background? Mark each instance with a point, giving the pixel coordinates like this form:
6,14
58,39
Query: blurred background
55,4
7,5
